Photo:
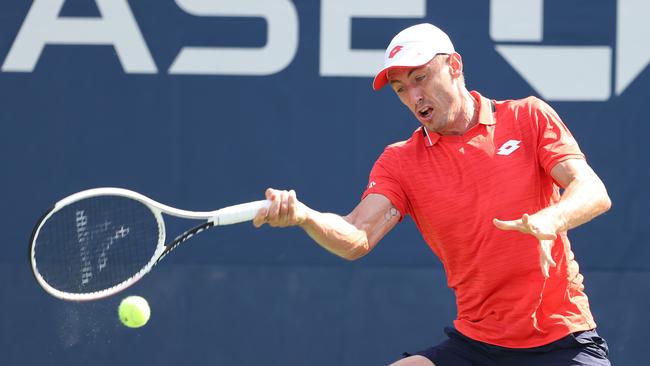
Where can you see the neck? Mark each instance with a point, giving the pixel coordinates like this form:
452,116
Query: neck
467,116
471,111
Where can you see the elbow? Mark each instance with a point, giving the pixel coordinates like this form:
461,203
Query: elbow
357,243
598,196
359,250
606,203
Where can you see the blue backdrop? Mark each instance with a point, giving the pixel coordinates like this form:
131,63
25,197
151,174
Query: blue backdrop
79,118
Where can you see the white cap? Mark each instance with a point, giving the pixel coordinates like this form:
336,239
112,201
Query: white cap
413,47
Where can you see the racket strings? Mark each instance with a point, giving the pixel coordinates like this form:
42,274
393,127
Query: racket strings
95,244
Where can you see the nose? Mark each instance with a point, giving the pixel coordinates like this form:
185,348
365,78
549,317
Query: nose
416,96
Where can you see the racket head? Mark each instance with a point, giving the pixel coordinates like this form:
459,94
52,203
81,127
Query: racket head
96,243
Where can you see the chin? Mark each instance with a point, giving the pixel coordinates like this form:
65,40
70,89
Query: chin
432,126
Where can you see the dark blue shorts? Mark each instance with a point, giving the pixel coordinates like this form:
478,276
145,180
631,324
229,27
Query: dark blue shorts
577,349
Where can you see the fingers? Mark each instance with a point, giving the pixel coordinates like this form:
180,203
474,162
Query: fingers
546,246
292,207
274,208
283,208
545,269
282,211
545,257
263,214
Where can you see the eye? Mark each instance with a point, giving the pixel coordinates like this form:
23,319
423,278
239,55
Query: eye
419,78
398,88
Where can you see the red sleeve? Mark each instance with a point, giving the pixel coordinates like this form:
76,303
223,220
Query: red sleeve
555,142
385,180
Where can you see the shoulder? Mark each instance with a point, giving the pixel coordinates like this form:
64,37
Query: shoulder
530,105
531,110
397,152
405,146
397,145
416,138
392,153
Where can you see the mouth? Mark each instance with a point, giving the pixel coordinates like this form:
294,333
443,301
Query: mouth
425,113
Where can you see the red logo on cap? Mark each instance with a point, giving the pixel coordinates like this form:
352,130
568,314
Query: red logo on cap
394,51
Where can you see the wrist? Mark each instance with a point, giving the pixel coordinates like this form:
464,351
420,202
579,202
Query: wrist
305,215
557,218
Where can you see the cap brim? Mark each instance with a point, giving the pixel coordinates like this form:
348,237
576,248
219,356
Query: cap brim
381,79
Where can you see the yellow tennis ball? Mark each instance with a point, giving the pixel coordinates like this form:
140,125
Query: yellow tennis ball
134,311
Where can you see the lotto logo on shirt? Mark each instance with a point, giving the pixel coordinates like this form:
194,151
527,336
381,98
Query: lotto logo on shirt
509,147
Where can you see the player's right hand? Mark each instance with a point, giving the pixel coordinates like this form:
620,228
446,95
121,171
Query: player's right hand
285,210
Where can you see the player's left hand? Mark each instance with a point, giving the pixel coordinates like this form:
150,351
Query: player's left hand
542,228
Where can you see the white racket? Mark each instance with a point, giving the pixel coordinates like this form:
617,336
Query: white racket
98,242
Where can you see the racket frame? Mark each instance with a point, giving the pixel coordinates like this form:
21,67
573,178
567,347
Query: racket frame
225,216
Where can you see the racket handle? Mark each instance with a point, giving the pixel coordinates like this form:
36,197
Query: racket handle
238,213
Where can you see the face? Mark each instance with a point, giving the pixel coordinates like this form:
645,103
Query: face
431,92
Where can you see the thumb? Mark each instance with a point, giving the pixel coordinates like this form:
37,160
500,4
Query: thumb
505,225
260,218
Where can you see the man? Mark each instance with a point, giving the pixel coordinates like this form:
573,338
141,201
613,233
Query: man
481,179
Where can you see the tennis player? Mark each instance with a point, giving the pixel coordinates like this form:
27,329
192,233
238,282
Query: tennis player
481,179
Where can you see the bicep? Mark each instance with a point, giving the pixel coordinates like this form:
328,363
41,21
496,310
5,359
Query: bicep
376,216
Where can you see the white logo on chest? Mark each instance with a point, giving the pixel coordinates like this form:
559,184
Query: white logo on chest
509,147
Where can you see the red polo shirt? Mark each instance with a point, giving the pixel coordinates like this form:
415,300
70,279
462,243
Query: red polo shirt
453,186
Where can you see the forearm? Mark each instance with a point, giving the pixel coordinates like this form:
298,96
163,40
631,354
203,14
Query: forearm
583,199
335,234
350,237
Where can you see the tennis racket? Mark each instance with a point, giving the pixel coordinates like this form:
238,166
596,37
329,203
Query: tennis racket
98,242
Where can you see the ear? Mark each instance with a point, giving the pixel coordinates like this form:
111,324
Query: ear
455,65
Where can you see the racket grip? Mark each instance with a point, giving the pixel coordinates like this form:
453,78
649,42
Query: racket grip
238,213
